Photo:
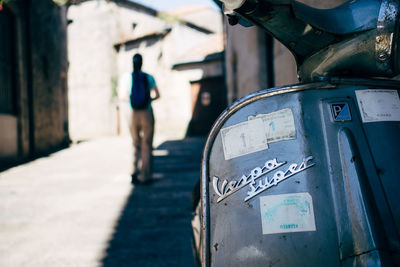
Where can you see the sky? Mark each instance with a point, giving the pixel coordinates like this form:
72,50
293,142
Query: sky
165,5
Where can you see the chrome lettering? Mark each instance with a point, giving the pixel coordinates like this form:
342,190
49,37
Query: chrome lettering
228,189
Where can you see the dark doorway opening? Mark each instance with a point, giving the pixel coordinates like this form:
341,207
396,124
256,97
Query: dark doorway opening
208,101
7,63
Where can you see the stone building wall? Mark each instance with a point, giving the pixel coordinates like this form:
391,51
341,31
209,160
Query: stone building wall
246,60
48,43
39,81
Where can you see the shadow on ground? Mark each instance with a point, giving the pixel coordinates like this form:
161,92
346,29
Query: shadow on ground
155,226
8,164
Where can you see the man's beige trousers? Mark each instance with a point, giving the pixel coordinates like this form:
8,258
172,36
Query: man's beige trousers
142,130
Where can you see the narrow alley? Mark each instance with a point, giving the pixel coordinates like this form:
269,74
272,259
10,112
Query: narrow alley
77,207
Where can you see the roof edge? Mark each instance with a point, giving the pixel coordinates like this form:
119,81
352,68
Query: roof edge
148,10
151,11
208,59
160,34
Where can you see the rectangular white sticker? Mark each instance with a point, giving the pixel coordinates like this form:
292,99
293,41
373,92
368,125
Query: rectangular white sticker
378,105
279,125
244,138
287,213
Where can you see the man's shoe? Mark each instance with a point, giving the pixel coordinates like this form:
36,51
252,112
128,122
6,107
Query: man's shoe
135,179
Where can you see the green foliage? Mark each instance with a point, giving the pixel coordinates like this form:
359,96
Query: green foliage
168,18
114,88
60,2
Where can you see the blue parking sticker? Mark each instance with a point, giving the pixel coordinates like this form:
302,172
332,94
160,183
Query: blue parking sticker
341,112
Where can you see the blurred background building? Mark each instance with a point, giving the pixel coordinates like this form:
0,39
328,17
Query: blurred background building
54,88
102,38
33,79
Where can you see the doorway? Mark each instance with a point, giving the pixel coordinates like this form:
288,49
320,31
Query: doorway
8,107
208,101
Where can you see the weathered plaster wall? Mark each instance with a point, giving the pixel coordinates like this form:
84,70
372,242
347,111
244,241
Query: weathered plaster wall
173,110
285,68
49,75
91,36
246,61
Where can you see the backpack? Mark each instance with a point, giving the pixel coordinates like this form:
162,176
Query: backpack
140,93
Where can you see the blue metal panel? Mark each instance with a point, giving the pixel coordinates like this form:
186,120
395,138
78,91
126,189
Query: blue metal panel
356,216
351,17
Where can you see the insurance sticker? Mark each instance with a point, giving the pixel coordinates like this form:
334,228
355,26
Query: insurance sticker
378,105
244,138
279,125
287,213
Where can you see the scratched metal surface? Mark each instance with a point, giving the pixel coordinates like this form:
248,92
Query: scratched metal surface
353,184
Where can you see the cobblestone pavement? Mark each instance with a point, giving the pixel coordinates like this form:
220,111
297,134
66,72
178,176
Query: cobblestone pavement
78,208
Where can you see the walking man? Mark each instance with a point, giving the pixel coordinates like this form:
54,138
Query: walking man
142,120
